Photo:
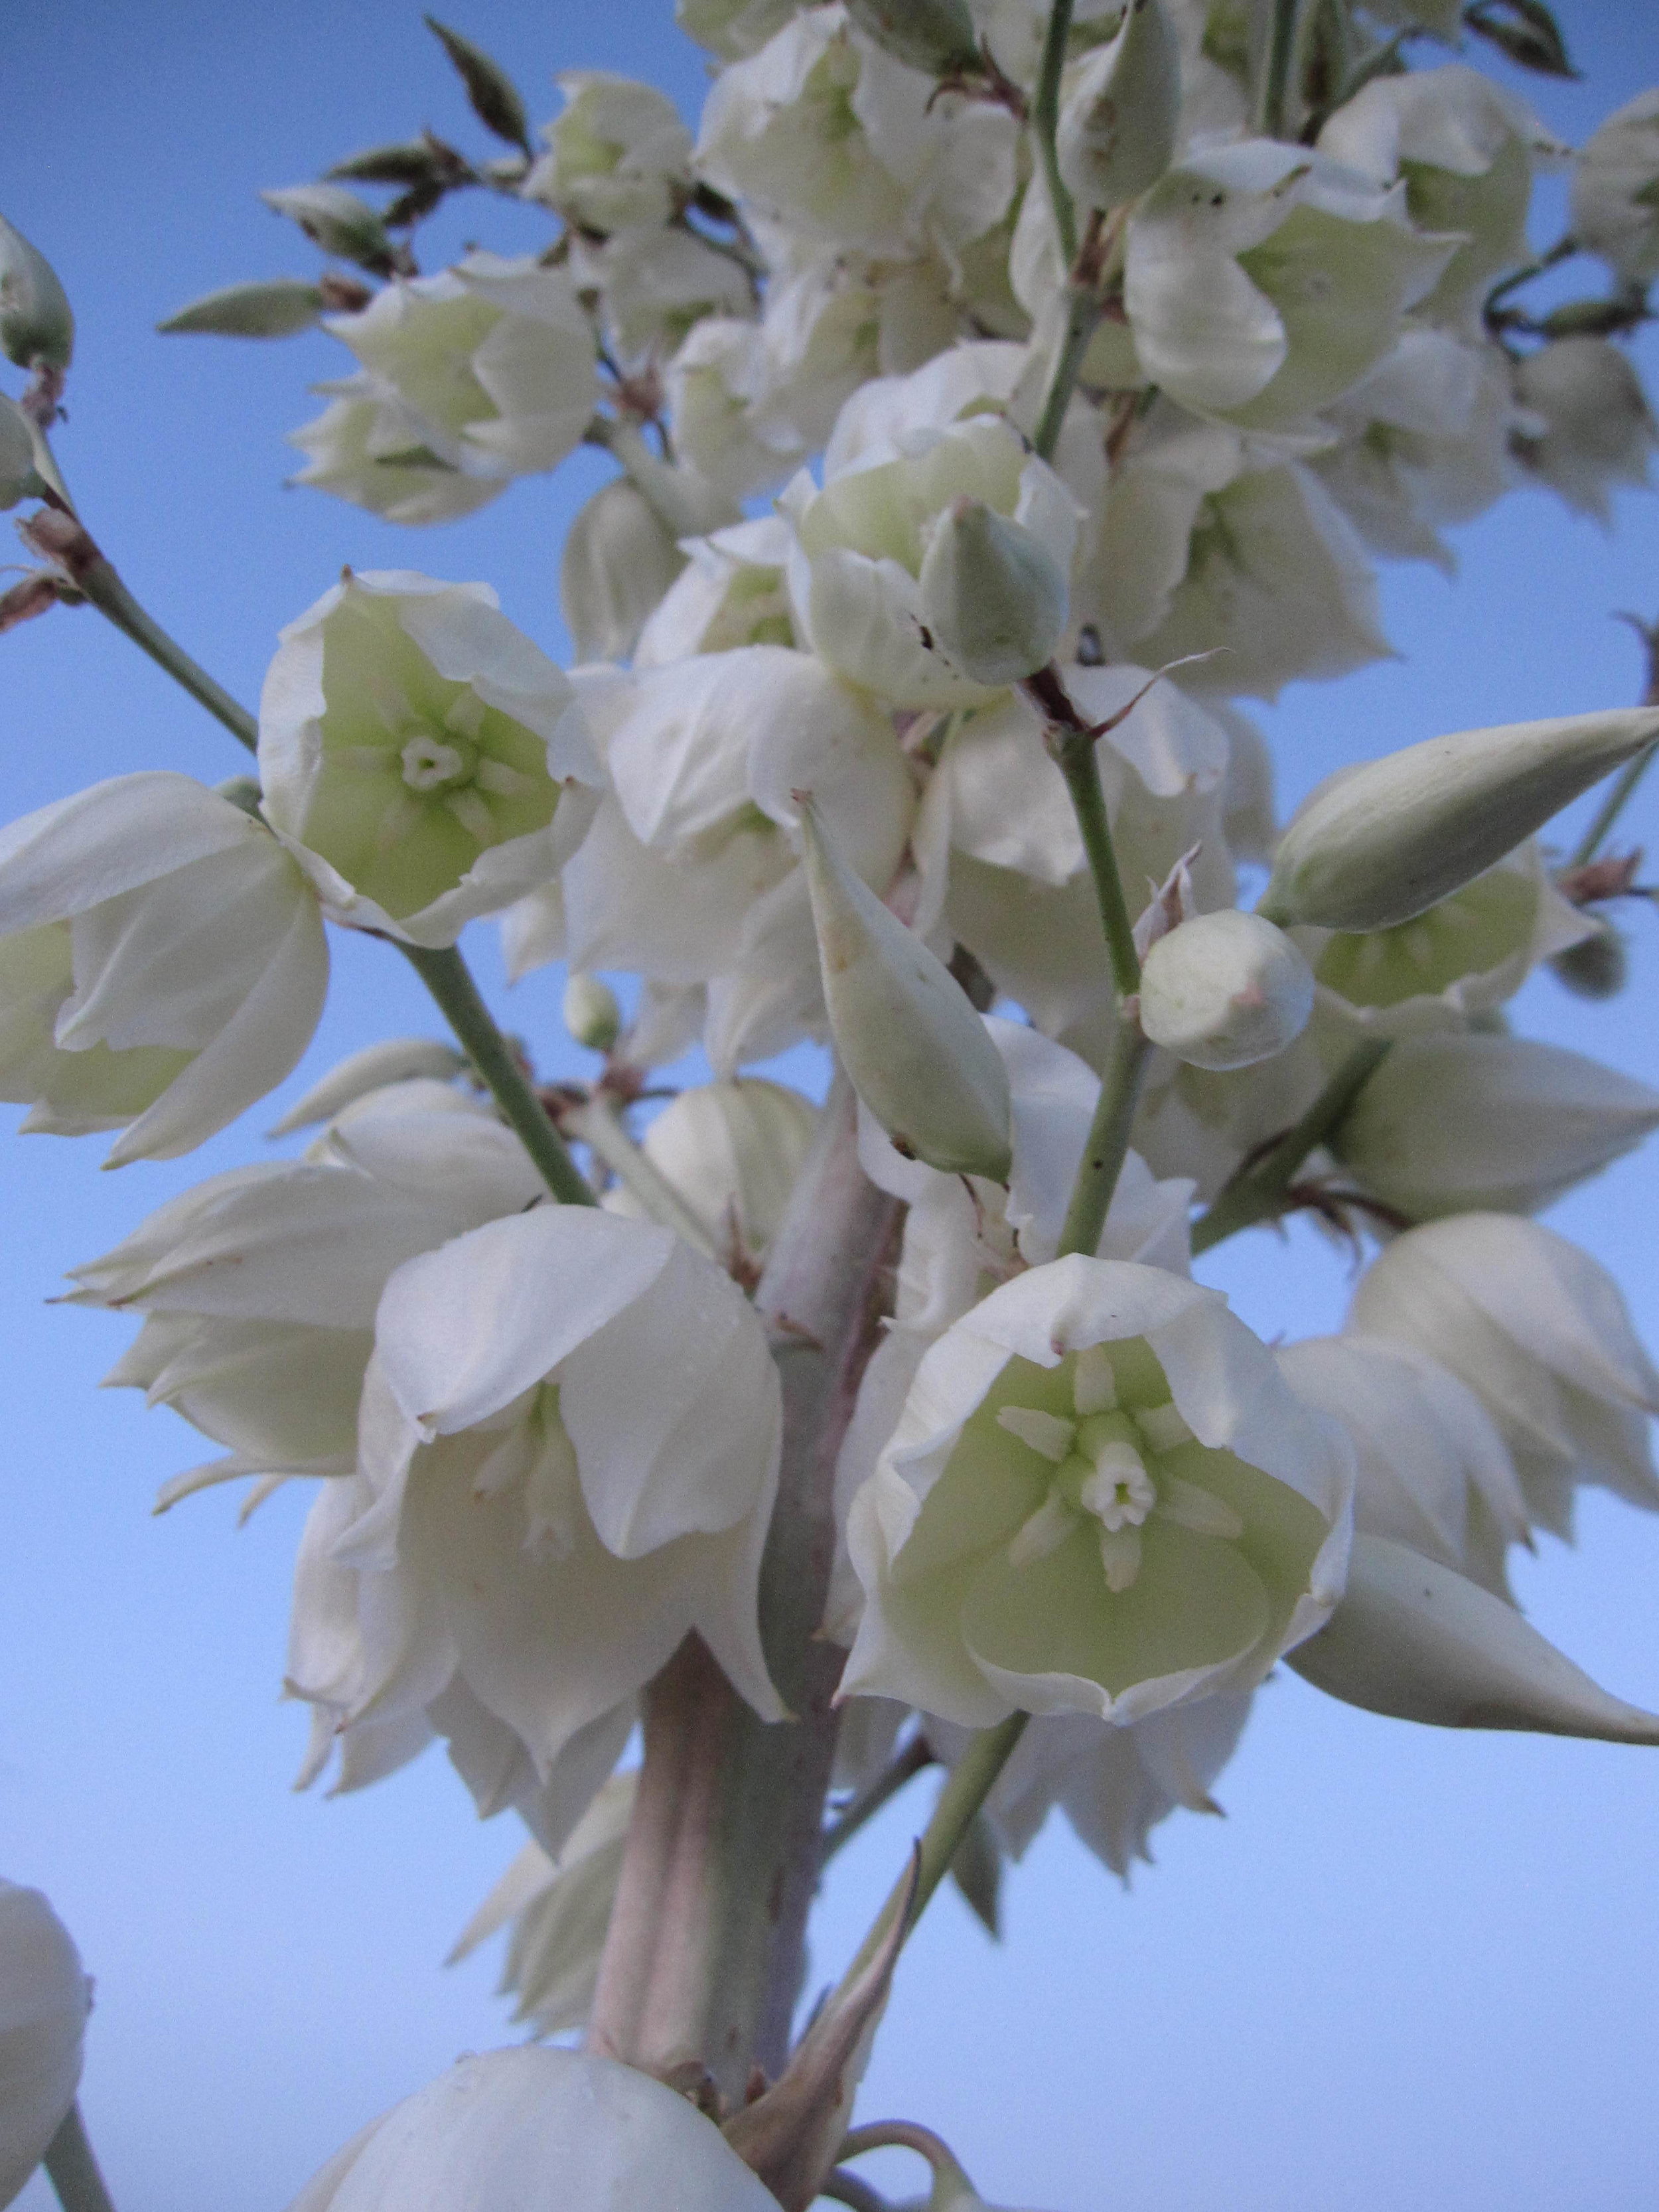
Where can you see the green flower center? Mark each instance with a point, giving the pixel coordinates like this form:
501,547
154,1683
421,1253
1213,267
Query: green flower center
1108,1468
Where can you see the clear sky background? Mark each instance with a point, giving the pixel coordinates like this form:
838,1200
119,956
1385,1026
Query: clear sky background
1409,1967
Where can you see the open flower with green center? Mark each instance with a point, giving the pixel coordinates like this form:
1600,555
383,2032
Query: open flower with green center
1100,1497
423,760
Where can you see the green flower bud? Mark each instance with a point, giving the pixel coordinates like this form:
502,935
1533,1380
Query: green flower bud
272,310
36,323
993,597
1378,844
1117,128
1597,967
1225,990
491,94
914,1048
337,221
591,1012
934,36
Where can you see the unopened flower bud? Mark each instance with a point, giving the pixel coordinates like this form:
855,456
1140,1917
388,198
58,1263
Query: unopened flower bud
18,479
619,559
914,1048
272,310
36,323
1117,128
591,1012
732,1152
1596,967
934,36
337,221
1225,990
43,2001
1416,1640
991,595
1377,844
1459,1124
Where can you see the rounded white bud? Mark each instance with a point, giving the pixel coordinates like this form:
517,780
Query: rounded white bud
619,559
1117,128
337,221
273,309
1225,989
992,596
591,1012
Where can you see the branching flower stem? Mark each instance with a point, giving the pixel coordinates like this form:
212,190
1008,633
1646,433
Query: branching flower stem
1045,122
1281,59
599,1126
59,535
1257,1192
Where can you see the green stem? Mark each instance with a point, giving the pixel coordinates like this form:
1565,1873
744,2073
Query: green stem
916,1755
113,600
600,1127
447,975
73,2171
1612,807
1109,1139
1276,81
1082,316
959,1802
1075,753
1045,121
1258,1194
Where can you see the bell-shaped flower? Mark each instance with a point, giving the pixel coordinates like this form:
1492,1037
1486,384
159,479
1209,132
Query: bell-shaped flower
861,543
1225,989
1463,956
423,760
826,132
730,593
1380,843
558,1907
363,448
1585,423
1417,1641
258,1287
1469,1124
1465,149
1430,1469
531,2130
732,1152
1539,1333
45,1998
1261,281
1615,208
1101,1498
491,364
162,964
619,156
569,1451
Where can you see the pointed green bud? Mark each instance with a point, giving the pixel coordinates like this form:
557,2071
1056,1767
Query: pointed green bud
1377,845
272,310
18,477
1117,128
915,1051
337,221
993,597
934,36
1225,990
1419,1642
591,1012
490,91
36,322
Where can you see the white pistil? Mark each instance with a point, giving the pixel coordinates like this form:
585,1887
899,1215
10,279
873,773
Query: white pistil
429,764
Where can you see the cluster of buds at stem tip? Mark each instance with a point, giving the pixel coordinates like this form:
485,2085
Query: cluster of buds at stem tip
914,1048
993,597
1118,127
1377,845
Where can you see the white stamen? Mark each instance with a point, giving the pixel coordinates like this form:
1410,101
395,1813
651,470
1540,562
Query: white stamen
1119,1555
494,775
1044,1533
1042,1431
395,824
1094,1386
1163,1427
1190,1507
466,717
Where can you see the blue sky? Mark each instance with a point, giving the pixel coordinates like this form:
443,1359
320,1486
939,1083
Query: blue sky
1407,1967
